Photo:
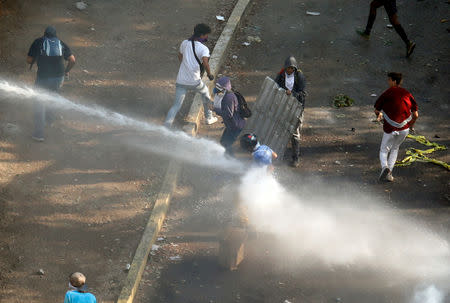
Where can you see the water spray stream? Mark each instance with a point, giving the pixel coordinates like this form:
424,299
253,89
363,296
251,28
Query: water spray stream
175,144
338,233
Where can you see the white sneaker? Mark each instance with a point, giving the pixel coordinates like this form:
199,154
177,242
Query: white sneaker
211,120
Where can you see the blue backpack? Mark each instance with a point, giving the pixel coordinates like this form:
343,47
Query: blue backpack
51,47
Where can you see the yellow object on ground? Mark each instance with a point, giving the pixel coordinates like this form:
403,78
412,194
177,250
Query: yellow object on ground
414,154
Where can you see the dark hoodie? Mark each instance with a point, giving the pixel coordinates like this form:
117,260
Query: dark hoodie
49,66
299,79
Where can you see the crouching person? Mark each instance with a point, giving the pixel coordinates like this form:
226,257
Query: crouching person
293,81
226,105
263,155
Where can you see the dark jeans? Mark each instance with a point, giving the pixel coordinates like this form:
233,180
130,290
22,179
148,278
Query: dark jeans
228,138
51,84
391,9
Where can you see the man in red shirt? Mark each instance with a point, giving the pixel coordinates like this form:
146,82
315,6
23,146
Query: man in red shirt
399,111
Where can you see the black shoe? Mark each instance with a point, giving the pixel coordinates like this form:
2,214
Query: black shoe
410,48
384,172
363,34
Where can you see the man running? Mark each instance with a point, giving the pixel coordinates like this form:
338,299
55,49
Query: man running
399,110
391,8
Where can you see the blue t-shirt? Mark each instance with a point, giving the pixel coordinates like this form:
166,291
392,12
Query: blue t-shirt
262,155
73,296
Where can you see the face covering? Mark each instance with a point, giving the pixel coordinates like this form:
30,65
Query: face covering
202,40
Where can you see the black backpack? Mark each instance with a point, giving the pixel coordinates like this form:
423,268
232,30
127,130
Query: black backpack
244,110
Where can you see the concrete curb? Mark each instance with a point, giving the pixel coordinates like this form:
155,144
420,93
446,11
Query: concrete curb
151,231
217,57
131,283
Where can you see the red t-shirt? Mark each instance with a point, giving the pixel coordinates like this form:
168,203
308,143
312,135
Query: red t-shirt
397,103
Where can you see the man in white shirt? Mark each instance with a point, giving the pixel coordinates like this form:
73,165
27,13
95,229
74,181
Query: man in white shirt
194,58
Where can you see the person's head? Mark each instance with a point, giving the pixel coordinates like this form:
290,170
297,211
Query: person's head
223,83
394,79
50,32
201,31
77,280
290,65
249,142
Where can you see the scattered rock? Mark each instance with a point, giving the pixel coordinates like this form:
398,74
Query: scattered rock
389,26
245,43
81,5
373,95
127,267
234,57
155,247
254,39
41,272
220,18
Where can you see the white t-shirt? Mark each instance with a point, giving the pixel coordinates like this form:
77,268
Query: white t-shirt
289,81
189,72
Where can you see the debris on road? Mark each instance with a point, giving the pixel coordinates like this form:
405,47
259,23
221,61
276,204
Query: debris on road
373,95
161,238
309,13
175,258
127,267
342,100
245,43
254,39
155,247
41,272
389,26
81,5
414,154
220,18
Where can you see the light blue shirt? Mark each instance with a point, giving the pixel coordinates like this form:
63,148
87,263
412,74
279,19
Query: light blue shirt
262,155
73,296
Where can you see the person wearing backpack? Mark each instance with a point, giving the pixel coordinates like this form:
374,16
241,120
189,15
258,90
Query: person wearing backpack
49,53
194,58
293,81
230,113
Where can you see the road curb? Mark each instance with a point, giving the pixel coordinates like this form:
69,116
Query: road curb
131,283
217,57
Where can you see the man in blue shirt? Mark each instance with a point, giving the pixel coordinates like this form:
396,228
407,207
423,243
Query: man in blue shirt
263,155
78,292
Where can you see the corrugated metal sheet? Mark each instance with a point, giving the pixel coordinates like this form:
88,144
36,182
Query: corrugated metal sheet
274,117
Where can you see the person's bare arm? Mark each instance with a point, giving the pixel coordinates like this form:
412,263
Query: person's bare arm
274,155
415,115
207,69
70,64
180,57
30,59
378,114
